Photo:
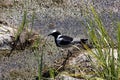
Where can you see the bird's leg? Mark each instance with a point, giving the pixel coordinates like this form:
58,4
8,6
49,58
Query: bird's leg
69,54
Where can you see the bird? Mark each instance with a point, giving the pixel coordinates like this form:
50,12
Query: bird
64,40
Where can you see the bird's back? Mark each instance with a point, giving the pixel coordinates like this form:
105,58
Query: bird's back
63,40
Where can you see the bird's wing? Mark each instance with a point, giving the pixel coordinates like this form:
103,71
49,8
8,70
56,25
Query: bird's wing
65,40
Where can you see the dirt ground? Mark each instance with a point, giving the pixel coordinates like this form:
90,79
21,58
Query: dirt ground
67,16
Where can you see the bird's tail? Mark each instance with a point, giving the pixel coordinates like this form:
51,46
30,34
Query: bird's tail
82,41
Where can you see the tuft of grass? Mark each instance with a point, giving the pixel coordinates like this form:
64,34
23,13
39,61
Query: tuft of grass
52,73
118,39
39,46
118,50
22,26
106,65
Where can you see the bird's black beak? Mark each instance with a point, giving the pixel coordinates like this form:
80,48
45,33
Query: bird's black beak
49,34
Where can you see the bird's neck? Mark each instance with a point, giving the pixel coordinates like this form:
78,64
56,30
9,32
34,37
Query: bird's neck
56,43
56,36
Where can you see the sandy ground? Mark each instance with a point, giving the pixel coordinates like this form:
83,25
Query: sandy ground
68,16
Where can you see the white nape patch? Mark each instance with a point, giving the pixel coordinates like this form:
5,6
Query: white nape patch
54,31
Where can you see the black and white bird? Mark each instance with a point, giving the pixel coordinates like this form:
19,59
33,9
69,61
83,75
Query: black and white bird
63,40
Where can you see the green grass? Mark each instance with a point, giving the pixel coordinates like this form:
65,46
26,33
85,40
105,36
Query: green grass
106,66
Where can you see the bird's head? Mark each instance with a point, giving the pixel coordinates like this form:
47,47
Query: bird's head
55,33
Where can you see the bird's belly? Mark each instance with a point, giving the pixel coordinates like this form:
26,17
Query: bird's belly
65,46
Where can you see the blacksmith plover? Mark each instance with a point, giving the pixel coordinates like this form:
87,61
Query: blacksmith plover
63,40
